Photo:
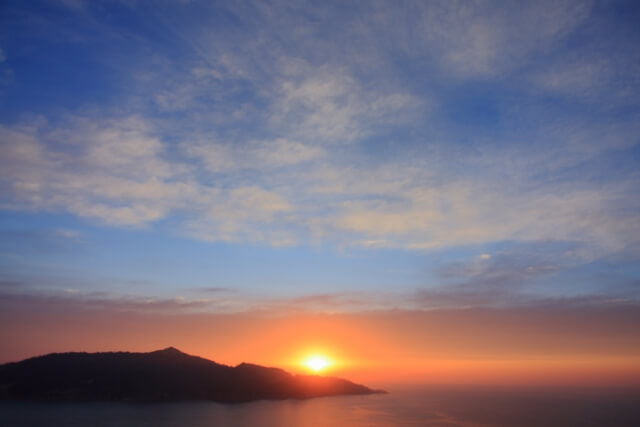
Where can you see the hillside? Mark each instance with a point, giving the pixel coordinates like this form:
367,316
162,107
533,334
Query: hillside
164,375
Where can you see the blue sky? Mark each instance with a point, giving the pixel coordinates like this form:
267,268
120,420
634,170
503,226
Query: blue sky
234,156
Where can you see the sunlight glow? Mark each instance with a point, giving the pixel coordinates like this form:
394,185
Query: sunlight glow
317,363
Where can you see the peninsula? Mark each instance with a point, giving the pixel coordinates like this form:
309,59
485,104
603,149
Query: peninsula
159,376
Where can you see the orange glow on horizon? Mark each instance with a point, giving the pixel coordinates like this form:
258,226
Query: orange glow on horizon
524,347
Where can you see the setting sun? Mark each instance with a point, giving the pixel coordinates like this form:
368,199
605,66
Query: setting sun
317,363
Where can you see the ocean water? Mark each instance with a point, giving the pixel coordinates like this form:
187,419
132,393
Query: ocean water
403,406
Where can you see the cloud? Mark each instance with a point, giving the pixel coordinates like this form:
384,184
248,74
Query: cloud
67,233
111,170
252,155
10,284
56,300
330,106
579,77
336,302
213,290
117,170
463,213
245,214
524,275
505,279
198,300
468,39
311,126
510,294
602,73
503,286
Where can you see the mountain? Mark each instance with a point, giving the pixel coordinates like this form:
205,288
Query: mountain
164,375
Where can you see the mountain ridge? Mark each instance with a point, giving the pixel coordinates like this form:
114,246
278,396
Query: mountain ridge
158,376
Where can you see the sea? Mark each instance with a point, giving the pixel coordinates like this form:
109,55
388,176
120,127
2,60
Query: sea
402,406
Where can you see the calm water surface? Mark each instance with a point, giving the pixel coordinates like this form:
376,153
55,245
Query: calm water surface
406,406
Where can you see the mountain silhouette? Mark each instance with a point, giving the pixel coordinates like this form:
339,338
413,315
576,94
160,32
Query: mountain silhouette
163,375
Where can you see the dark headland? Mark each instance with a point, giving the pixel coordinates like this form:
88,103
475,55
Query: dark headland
160,376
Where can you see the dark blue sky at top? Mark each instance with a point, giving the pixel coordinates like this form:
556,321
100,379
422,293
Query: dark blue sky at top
379,150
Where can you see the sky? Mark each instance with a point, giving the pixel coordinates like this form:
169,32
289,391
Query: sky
441,191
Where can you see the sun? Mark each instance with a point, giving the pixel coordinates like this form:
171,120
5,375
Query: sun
317,363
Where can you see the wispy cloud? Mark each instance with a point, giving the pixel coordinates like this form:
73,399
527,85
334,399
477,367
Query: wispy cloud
297,124
120,172
504,287
59,300
331,106
251,155
213,290
110,170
